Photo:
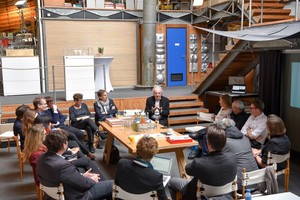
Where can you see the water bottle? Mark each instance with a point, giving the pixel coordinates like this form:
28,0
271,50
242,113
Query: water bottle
248,195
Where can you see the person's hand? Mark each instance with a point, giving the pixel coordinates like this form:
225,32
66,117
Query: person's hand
160,109
255,152
153,109
93,176
74,150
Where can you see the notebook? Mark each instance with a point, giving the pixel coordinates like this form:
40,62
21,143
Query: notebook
163,165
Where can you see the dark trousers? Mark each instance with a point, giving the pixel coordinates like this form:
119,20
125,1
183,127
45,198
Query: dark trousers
73,137
89,125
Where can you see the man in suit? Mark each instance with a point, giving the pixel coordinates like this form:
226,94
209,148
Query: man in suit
215,169
157,106
138,176
53,169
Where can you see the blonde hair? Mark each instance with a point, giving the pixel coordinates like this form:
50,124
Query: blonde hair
275,125
27,120
33,140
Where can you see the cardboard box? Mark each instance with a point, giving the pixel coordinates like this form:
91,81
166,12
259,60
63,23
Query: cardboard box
54,3
19,52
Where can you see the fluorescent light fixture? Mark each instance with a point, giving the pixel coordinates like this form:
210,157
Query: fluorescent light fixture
198,2
21,4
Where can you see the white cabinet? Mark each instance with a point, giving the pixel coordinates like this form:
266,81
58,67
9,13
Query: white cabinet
21,75
79,76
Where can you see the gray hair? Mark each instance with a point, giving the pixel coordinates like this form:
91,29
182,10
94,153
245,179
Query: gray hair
239,104
157,87
224,123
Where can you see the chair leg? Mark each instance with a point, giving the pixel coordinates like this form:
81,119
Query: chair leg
21,166
286,181
39,192
8,145
178,196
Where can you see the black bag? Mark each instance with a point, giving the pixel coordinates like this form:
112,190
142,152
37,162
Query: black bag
114,155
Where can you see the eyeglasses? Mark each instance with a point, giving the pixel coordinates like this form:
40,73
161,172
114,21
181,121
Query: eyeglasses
252,108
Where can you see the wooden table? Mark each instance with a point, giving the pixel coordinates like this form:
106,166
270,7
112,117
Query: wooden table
279,196
122,133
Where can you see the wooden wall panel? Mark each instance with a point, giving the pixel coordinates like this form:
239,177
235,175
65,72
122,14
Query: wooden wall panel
119,40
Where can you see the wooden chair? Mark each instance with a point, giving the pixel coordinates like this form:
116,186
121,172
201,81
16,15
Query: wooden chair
20,156
254,177
7,136
119,193
276,158
56,193
210,191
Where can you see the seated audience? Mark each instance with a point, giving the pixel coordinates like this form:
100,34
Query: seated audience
217,168
28,119
238,114
138,176
81,118
157,106
104,107
58,121
238,145
17,128
279,142
40,105
225,111
255,127
53,169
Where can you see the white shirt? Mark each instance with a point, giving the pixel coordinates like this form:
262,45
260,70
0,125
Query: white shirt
259,127
223,113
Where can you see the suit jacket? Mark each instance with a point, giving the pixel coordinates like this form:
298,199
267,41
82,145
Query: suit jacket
56,117
164,103
53,169
139,179
214,169
99,116
18,130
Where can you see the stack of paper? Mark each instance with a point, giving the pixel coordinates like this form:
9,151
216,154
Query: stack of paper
113,122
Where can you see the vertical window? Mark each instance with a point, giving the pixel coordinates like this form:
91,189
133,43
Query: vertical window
295,83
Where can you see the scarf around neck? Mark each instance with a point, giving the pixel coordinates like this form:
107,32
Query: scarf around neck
104,106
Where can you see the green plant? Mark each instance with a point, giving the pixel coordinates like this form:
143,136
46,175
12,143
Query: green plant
100,49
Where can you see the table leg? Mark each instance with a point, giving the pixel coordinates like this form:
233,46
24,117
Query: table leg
181,163
107,150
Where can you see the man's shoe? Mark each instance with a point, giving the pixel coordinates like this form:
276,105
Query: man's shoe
195,154
91,156
101,135
100,145
91,148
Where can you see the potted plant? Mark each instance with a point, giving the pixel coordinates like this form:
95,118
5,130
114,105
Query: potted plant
100,50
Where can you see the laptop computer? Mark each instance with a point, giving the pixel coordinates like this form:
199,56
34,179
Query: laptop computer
238,89
163,165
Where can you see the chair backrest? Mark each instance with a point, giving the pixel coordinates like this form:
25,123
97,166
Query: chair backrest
119,193
276,158
210,191
54,192
254,177
206,117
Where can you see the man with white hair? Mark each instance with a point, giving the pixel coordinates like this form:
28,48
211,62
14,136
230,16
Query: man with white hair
238,114
157,106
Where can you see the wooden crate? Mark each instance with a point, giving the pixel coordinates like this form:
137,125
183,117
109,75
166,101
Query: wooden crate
54,3
19,52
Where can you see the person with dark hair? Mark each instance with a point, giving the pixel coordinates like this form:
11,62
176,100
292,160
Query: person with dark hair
238,114
157,106
81,118
104,107
138,176
53,169
216,169
39,104
255,127
279,142
17,128
58,121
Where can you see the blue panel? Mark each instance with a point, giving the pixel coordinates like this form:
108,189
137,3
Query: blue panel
295,82
176,56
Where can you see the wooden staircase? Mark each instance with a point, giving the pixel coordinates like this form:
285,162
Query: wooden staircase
272,11
183,112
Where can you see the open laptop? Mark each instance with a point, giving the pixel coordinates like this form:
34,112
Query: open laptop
163,165
238,89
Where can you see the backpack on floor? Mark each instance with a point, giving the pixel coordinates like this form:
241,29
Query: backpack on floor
114,155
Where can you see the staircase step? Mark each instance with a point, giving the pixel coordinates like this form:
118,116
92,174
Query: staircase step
269,18
265,5
271,11
186,104
180,98
183,120
187,111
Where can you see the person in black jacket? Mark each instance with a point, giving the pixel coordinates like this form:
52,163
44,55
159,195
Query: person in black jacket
216,169
157,106
53,169
104,107
137,176
17,128
238,114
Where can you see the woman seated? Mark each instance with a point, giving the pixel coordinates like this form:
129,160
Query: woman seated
81,118
137,176
104,107
225,111
34,147
279,142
